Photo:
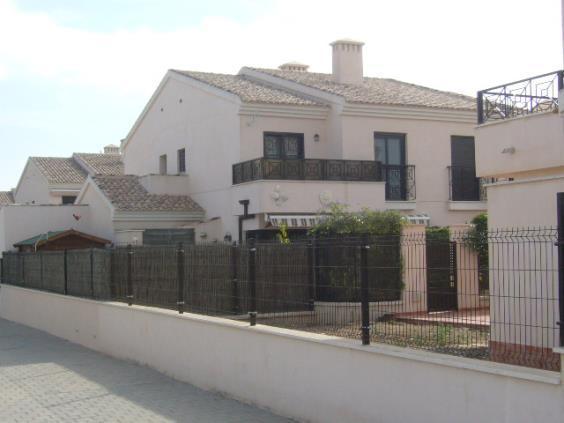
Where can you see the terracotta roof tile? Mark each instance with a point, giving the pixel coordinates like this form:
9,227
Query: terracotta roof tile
249,91
377,90
6,198
102,164
126,193
60,170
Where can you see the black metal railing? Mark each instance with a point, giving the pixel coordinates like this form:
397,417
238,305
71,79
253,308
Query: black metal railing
400,179
400,182
306,169
531,95
465,186
482,295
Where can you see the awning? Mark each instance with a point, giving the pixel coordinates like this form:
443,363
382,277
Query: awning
292,220
418,219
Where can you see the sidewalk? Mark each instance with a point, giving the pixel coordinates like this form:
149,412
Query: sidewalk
43,378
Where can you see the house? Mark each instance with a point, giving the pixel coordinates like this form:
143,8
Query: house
44,198
271,146
58,180
520,140
60,240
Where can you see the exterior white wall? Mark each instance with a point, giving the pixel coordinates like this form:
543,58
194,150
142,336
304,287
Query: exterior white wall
21,222
206,125
538,140
427,147
305,196
310,377
521,204
33,187
254,127
100,217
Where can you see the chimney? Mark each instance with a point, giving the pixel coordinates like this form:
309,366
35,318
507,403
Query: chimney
347,61
111,149
294,67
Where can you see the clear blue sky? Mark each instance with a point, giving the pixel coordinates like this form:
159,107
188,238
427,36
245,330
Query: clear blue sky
74,75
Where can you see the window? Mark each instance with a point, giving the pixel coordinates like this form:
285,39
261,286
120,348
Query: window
278,145
69,199
182,160
162,165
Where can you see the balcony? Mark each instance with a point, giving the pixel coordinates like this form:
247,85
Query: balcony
537,94
520,128
400,180
465,186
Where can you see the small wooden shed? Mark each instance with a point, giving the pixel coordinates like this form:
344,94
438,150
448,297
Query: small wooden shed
60,240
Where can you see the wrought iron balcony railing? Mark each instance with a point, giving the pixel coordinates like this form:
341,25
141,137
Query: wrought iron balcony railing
306,169
527,96
400,182
400,179
465,186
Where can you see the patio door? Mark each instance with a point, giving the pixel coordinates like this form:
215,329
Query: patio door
441,276
389,149
465,184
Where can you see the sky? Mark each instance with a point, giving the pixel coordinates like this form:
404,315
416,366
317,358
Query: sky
74,75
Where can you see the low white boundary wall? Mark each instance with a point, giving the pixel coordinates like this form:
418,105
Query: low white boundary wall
305,376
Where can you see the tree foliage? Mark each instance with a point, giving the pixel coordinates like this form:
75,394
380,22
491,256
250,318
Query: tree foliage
477,237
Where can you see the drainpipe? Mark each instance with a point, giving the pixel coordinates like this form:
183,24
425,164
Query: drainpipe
245,216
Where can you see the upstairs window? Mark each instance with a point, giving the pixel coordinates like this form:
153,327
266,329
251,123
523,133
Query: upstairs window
182,160
162,165
279,145
68,199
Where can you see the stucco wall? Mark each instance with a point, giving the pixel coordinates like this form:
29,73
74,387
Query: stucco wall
524,203
254,127
33,187
427,147
25,221
305,376
538,140
100,216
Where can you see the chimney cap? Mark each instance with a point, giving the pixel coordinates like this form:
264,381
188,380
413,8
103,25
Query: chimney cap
294,66
347,41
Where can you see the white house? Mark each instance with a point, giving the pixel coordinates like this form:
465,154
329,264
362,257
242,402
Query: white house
278,145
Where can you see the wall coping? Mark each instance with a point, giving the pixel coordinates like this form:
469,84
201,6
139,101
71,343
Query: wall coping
498,369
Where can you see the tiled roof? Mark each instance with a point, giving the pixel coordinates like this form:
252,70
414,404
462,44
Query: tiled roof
6,198
59,170
249,91
126,193
102,164
378,91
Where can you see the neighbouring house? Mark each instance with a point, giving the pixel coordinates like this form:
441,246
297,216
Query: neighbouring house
272,146
60,240
520,139
124,209
44,198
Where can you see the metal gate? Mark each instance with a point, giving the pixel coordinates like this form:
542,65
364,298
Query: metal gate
560,243
441,276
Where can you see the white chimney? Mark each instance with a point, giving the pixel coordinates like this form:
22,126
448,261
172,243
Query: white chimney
294,67
111,149
347,61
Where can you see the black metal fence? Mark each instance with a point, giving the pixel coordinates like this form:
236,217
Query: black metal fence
434,293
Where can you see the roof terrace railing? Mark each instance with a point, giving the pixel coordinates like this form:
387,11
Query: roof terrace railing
528,96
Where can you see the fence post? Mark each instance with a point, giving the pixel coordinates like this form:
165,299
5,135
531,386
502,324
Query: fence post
560,243
311,274
92,273
364,300
129,287
234,257
180,276
41,270
252,282
66,274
